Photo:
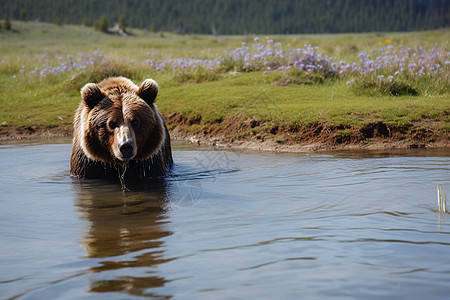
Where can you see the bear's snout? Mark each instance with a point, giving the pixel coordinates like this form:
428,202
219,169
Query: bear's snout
126,148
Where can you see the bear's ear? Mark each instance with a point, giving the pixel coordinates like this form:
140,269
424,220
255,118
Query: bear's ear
91,95
148,90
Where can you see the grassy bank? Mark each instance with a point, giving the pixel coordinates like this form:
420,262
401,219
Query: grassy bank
244,87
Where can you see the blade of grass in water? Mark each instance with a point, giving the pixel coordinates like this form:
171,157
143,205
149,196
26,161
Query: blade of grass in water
442,200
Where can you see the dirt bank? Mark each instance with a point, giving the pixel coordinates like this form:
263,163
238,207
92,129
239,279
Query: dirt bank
32,132
256,135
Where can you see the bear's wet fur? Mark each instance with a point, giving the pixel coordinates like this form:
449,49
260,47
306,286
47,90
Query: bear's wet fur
117,126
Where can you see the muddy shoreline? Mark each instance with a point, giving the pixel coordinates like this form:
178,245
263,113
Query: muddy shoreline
250,135
375,144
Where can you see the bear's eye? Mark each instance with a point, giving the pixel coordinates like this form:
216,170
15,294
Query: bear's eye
112,124
134,123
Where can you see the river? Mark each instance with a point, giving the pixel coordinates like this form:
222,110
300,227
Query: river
227,225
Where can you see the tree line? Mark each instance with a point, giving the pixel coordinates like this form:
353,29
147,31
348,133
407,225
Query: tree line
242,16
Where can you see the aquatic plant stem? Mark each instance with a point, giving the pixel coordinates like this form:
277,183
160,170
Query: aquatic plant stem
442,200
122,178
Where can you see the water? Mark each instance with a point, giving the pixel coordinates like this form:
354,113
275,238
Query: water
226,225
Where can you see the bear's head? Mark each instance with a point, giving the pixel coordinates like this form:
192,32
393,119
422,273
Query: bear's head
119,121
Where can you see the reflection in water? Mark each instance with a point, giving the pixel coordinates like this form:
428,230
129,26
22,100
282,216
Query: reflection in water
122,223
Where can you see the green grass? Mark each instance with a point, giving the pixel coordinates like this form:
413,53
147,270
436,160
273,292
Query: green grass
250,96
205,96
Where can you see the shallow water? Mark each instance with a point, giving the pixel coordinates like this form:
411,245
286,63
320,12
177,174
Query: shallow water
226,225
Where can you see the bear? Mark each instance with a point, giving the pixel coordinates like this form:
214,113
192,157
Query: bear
117,129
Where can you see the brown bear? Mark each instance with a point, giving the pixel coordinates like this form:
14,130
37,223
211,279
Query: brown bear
118,129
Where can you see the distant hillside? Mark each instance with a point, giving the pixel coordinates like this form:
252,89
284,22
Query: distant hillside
242,16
